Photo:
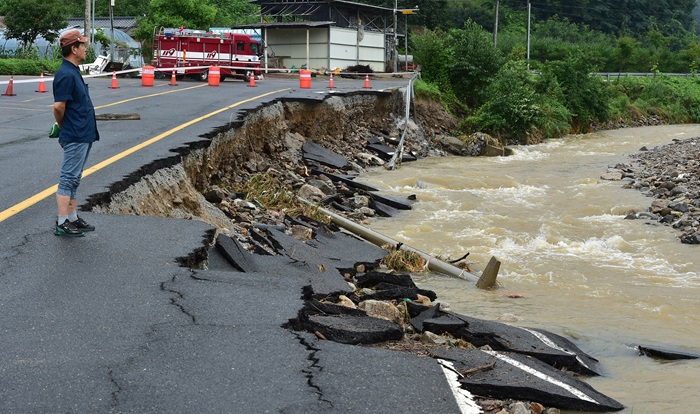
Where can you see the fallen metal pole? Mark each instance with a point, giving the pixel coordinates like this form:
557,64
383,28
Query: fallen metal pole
486,280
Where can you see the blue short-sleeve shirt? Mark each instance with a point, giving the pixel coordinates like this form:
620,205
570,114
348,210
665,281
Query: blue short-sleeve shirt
79,123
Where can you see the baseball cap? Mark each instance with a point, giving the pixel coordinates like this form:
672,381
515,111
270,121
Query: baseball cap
72,36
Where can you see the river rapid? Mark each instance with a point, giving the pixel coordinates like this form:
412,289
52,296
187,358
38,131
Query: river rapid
559,231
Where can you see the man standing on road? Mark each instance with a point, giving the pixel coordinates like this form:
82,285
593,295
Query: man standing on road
75,116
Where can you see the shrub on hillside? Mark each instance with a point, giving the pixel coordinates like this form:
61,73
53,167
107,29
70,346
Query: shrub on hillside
474,63
516,110
586,96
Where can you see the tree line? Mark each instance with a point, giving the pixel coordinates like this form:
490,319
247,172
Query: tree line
495,89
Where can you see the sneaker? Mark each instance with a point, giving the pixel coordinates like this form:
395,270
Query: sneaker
81,225
68,229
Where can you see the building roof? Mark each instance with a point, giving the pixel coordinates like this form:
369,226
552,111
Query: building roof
285,25
309,7
124,22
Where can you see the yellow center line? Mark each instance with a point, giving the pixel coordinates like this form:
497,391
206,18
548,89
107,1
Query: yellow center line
149,96
4,215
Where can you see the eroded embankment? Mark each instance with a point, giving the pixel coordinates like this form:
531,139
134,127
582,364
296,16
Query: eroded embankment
268,138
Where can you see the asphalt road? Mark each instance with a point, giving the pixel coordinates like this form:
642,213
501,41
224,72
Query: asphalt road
111,323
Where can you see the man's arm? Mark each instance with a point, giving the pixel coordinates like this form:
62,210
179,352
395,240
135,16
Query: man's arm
59,110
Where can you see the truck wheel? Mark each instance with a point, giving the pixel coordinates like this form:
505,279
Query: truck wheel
204,75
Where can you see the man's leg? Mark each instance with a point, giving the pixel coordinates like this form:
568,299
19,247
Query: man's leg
74,155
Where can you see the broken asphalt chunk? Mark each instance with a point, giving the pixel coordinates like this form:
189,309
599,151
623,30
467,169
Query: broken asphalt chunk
352,329
665,353
372,279
550,348
315,152
514,376
430,313
235,254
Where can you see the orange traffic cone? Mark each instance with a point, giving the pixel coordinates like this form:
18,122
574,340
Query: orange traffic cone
42,87
252,80
367,82
173,79
114,81
9,91
331,85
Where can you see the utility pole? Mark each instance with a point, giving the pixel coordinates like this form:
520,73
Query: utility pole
111,30
88,16
528,34
394,48
495,27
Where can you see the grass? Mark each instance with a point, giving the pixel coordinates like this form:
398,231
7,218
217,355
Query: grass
269,190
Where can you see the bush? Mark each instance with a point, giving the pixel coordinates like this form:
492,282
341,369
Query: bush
517,110
29,67
586,96
474,63
675,99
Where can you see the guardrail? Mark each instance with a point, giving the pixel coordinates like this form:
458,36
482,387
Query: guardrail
609,75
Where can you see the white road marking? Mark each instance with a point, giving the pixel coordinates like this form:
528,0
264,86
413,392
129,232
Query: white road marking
542,337
532,371
465,399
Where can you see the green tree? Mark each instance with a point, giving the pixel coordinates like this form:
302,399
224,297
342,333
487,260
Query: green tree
585,96
520,109
193,14
475,62
28,19
626,47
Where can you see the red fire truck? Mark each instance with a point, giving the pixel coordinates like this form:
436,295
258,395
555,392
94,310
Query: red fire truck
191,52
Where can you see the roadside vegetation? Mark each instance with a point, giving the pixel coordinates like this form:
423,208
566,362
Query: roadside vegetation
480,75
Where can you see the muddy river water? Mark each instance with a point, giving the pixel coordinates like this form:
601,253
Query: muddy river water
559,231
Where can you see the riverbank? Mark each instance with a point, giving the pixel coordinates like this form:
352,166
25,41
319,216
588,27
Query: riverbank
670,174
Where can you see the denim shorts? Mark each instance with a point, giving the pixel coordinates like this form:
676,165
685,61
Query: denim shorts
75,155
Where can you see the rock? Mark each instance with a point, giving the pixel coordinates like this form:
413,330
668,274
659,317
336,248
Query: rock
345,301
491,405
615,176
431,338
324,186
215,194
682,207
519,408
311,193
302,233
382,310
453,145
367,211
536,408
370,159
691,239
244,205
358,202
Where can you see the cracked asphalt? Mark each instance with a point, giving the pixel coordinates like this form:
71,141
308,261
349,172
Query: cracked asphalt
111,323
